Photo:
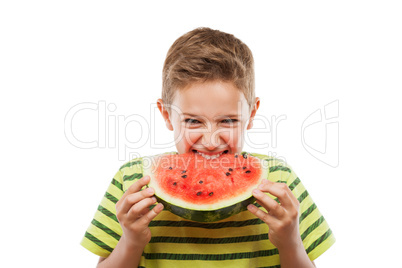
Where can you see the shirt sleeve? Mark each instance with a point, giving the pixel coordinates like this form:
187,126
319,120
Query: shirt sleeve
315,232
104,232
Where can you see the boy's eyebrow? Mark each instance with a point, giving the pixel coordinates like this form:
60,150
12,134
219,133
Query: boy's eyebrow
194,115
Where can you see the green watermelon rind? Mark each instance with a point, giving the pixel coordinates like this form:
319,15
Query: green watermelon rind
206,215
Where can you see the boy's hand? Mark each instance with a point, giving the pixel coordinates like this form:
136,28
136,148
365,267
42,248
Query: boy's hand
283,218
134,216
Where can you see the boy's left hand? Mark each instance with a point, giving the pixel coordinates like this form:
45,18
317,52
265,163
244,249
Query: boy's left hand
283,218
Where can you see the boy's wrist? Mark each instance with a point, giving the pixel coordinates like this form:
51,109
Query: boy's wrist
130,245
294,256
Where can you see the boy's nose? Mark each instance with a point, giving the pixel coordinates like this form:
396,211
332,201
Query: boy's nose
210,141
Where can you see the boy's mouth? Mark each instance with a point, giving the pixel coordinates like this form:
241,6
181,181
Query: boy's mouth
210,156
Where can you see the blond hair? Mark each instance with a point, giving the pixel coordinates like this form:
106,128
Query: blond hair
204,54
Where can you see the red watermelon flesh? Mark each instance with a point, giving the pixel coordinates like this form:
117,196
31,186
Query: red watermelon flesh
194,184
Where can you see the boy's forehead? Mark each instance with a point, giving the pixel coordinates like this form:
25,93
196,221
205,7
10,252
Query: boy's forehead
211,99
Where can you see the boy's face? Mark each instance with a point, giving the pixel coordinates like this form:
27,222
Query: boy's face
209,118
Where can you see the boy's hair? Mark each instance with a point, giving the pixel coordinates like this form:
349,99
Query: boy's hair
204,54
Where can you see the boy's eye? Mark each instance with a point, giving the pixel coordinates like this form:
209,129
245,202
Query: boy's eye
229,121
191,121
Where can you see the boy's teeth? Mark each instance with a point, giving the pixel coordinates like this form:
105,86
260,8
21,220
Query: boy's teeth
209,156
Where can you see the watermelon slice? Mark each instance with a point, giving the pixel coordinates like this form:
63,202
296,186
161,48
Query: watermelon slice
205,190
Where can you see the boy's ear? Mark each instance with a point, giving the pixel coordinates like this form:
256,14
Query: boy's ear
253,113
164,113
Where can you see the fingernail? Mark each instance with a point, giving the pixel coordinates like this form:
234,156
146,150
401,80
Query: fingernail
150,191
251,207
256,192
154,199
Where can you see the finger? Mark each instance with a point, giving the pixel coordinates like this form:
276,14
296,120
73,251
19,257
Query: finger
138,209
268,203
134,198
281,191
136,186
147,218
265,217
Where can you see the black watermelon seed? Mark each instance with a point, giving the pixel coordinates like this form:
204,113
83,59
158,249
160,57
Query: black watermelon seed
199,193
236,156
244,167
230,169
245,156
183,171
170,167
227,173
248,171
211,193
201,182
175,183
184,176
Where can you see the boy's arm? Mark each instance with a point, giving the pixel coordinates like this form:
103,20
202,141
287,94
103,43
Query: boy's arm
134,216
295,258
283,222
122,256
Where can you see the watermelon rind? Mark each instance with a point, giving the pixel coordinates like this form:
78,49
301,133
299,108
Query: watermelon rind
202,212
207,215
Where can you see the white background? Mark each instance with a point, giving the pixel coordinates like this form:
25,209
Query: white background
55,55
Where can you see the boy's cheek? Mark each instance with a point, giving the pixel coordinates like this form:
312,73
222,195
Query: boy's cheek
185,139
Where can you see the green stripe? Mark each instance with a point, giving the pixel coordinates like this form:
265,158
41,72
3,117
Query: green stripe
197,240
312,227
117,184
211,257
106,229
205,225
303,196
294,184
319,241
276,168
307,212
281,181
132,177
130,164
98,242
107,213
111,197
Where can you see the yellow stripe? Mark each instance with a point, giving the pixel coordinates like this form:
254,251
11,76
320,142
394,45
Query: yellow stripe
322,247
105,238
115,226
317,233
310,219
116,192
109,205
210,248
94,248
256,262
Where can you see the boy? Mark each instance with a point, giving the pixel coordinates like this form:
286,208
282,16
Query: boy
208,101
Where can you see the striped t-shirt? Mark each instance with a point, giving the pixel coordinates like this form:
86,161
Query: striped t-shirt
238,241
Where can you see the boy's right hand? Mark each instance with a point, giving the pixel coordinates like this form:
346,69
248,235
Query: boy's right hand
134,216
